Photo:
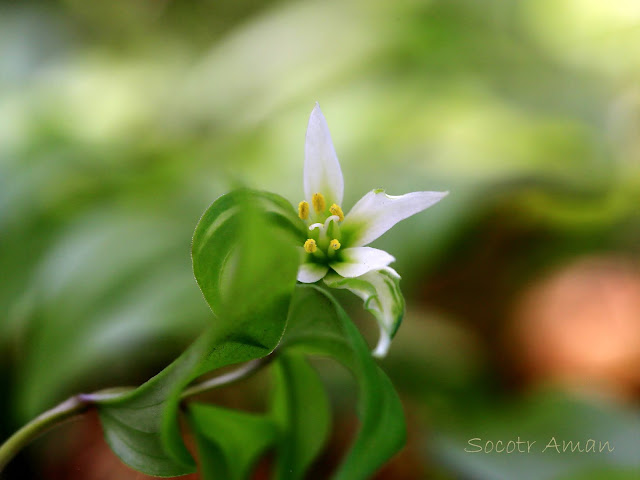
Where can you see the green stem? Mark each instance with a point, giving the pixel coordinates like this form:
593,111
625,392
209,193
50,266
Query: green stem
241,373
83,402
66,410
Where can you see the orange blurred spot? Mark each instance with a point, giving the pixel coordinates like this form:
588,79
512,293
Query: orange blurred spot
581,326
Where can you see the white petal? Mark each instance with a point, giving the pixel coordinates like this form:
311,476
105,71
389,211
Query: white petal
311,272
380,291
384,342
360,260
322,172
377,212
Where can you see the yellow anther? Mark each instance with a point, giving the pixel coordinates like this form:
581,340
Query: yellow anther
336,210
310,246
303,210
335,244
319,203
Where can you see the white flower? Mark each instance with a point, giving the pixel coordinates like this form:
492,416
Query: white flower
336,248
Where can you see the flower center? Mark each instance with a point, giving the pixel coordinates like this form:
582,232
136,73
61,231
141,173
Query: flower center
324,239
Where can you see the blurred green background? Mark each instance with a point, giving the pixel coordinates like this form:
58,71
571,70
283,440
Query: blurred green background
121,121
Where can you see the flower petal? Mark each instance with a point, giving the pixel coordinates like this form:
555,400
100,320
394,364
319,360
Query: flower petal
322,172
380,290
311,272
377,212
360,260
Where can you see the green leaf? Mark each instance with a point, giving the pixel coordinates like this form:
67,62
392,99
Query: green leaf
380,291
229,442
245,261
318,325
300,408
237,253
133,424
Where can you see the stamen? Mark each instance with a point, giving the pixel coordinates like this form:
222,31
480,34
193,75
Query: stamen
310,246
336,210
303,210
319,203
335,244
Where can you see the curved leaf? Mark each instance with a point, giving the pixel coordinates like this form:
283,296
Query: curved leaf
318,325
238,247
132,424
300,408
245,261
229,442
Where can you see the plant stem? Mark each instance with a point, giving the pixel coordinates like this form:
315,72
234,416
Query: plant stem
241,373
81,403
49,419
